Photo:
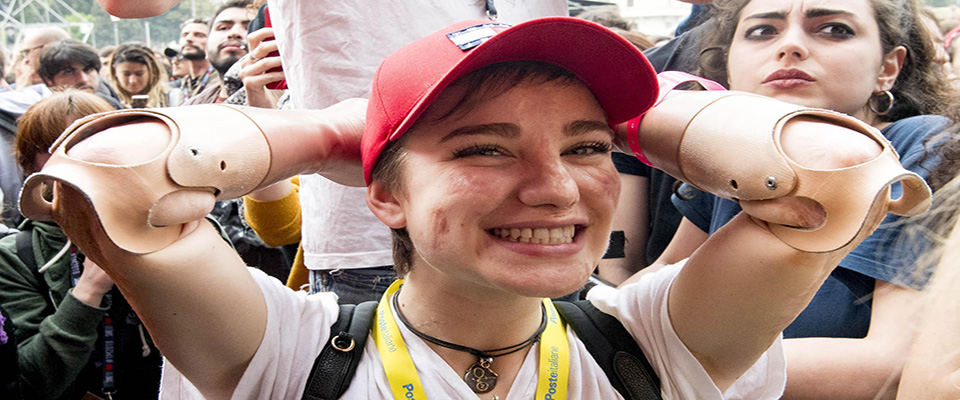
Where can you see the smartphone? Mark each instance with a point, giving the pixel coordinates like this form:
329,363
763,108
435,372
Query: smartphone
139,100
281,84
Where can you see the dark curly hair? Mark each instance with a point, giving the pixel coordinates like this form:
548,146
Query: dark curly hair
921,88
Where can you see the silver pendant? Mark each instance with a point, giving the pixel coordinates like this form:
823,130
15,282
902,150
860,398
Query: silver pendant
479,377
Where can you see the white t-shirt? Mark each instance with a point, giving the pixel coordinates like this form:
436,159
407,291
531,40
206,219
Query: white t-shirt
330,51
298,326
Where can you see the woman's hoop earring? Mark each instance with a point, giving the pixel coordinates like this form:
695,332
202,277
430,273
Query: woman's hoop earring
878,98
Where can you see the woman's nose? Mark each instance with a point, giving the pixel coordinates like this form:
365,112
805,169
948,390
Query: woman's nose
793,45
549,183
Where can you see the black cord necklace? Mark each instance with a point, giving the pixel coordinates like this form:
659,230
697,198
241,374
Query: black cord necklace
479,377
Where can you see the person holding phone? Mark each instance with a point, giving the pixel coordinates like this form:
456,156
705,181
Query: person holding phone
260,71
135,71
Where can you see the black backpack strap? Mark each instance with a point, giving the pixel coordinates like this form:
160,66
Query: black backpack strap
25,253
335,366
613,348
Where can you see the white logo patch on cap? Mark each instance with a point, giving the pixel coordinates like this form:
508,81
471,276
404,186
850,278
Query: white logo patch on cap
471,37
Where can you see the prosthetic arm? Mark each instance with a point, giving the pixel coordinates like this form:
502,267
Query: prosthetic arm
223,152
213,153
710,142
751,278
135,212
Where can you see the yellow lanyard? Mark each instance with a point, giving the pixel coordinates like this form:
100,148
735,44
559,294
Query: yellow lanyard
553,373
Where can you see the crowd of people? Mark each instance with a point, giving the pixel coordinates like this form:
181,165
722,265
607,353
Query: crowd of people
519,203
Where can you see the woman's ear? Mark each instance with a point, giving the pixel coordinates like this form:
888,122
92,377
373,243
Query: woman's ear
890,68
385,205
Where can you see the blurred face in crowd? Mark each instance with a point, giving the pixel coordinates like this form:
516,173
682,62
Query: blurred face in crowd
105,65
132,76
942,59
193,41
76,77
178,68
29,56
824,53
227,41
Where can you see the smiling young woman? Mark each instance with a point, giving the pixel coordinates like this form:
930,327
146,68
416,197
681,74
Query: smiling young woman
494,173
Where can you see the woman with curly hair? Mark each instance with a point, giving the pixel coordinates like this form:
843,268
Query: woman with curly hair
871,59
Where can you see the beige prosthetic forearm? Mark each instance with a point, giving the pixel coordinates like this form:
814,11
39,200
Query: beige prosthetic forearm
213,152
729,144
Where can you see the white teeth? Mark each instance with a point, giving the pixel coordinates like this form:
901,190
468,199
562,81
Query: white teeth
537,235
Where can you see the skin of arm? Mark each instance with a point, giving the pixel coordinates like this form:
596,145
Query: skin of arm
92,285
932,369
137,8
832,368
743,286
200,266
815,363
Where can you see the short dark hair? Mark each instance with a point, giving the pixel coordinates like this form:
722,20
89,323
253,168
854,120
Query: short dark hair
229,4
63,54
196,20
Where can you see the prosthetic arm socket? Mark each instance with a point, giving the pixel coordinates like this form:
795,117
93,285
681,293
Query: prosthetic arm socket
729,144
214,153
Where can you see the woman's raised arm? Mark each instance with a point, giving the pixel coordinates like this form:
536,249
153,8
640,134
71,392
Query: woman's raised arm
131,189
812,185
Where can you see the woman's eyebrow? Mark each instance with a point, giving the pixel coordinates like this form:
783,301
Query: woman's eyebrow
768,15
582,127
825,12
501,129
811,13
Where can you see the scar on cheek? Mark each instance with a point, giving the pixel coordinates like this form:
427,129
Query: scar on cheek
439,225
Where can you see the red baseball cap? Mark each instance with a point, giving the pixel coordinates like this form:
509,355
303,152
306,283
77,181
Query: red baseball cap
407,81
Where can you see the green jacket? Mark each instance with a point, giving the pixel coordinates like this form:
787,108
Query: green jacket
56,345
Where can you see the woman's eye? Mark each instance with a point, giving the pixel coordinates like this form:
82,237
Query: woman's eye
760,32
479,150
591,148
835,30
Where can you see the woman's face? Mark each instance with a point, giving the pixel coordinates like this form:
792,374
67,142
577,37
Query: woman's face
133,76
481,189
815,53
